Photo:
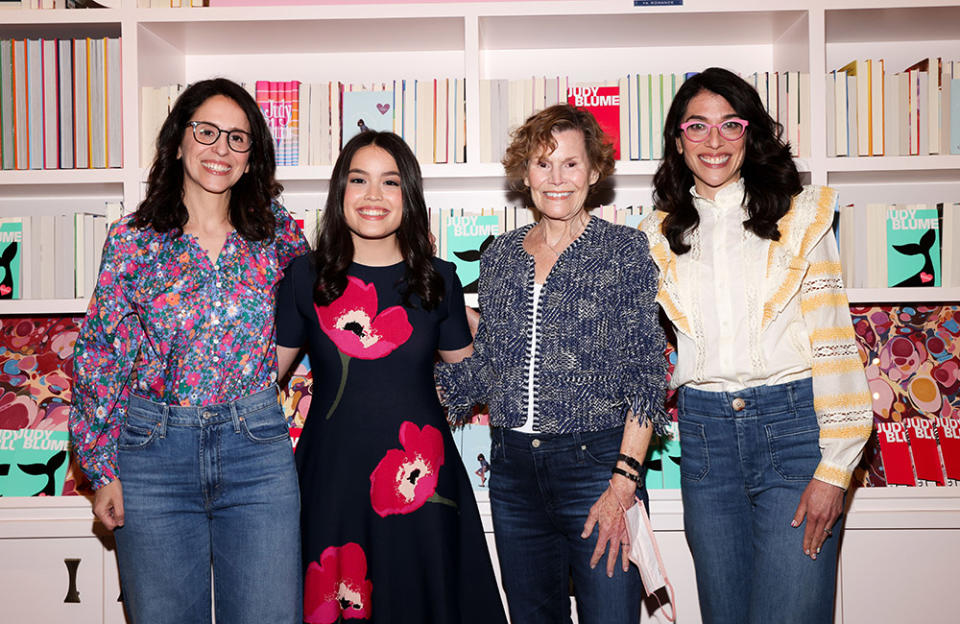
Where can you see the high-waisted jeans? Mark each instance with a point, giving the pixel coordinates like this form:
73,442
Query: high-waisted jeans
742,474
541,489
209,486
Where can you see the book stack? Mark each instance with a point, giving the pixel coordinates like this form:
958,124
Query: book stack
899,245
60,103
915,112
53,256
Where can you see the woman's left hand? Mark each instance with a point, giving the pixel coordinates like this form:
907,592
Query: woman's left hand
607,515
821,504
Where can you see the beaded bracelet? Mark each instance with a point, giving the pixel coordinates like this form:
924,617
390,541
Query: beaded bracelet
630,461
633,477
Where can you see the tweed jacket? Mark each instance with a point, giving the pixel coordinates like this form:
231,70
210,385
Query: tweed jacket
600,348
841,397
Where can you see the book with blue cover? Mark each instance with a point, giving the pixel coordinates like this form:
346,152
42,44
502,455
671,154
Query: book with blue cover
366,110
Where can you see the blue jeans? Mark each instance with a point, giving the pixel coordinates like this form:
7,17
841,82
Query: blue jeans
541,489
212,485
742,475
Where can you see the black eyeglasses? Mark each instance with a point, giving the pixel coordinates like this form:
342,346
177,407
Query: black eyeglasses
207,133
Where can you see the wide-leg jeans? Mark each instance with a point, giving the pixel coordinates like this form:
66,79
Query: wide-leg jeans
746,458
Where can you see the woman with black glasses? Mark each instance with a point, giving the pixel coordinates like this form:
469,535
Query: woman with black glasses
175,416
774,406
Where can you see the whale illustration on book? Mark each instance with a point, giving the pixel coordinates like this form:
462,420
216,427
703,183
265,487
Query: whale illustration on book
925,276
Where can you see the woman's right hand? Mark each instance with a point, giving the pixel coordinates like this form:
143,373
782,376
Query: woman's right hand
108,504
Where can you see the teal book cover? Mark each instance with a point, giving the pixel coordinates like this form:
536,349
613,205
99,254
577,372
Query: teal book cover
366,110
33,462
11,252
663,462
913,246
464,238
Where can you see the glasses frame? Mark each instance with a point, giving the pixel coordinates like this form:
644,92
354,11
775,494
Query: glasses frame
687,124
221,131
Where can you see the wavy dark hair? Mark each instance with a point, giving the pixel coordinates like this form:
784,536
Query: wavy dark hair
769,174
334,250
250,214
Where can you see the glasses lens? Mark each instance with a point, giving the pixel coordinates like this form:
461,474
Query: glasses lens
239,141
206,133
731,130
697,131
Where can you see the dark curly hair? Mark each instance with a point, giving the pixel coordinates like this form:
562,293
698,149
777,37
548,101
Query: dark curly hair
536,135
769,174
250,197
334,251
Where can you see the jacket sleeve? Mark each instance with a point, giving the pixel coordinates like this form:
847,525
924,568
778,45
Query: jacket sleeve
104,355
643,362
841,396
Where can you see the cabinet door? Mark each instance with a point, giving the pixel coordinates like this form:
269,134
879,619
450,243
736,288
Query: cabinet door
52,580
906,575
112,604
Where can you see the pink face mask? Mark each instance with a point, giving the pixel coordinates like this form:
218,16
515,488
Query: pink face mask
646,555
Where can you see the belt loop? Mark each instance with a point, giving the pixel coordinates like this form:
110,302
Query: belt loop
579,445
164,413
235,416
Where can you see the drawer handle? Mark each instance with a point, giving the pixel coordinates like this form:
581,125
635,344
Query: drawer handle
72,594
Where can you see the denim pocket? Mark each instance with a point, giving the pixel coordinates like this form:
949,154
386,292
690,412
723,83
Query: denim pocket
603,452
265,425
136,434
794,447
496,449
694,456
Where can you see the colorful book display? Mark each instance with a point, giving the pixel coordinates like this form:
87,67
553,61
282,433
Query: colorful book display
280,102
60,103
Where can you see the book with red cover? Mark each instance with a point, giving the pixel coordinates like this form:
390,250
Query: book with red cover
895,450
923,445
604,103
949,432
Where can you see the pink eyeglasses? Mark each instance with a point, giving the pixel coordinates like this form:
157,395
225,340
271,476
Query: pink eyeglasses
729,129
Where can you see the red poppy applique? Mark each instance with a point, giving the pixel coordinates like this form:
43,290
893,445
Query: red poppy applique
404,480
352,323
337,587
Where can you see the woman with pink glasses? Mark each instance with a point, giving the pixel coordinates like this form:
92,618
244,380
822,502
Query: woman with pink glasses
774,407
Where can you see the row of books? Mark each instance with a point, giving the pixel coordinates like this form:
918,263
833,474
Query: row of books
311,122
53,256
60,103
632,109
57,4
919,450
871,112
894,245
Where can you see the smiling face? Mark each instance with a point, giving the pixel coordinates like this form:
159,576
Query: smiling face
714,162
373,199
213,169
560,181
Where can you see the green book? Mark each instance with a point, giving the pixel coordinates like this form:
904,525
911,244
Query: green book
913,246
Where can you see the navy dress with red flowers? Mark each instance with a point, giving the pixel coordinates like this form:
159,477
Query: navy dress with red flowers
391,531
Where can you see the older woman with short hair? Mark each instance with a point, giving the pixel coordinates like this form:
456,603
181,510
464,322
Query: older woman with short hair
569,358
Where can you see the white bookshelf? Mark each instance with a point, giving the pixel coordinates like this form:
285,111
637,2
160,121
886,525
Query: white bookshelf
582,39
586,40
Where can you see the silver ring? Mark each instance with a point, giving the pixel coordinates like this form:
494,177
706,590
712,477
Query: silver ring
829,532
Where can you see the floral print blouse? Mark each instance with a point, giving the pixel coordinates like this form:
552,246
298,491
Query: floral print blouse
167,323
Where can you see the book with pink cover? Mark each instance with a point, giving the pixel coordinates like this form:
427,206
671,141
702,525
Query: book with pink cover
280,103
